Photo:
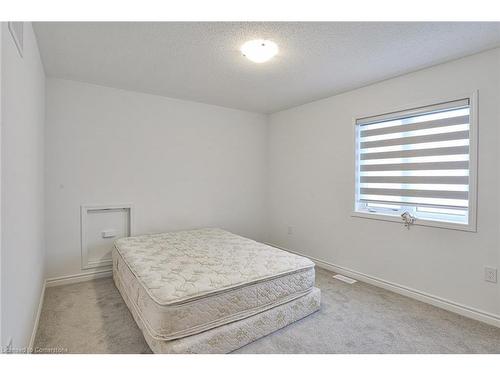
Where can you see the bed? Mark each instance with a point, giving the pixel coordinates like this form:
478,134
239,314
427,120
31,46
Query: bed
210,291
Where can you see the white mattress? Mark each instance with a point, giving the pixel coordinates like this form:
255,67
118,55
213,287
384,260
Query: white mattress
184,283
231,336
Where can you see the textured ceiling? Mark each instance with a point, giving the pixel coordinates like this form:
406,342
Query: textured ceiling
201,61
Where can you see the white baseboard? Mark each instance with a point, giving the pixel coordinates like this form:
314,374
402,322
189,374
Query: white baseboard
443,303
37,318
63,280
84,276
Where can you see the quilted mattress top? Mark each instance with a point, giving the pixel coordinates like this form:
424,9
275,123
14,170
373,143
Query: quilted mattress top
178,267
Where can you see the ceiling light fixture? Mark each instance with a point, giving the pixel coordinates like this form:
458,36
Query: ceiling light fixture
259,50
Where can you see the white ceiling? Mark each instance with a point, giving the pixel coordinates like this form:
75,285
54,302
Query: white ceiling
201,61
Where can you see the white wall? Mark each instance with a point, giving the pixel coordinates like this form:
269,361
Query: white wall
1,126
22,143
182,164
311,188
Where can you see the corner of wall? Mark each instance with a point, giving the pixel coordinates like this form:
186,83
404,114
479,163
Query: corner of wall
266,233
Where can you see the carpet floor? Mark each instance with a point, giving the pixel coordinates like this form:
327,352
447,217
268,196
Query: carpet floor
91,317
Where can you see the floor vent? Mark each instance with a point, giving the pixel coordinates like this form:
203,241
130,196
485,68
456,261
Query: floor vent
345,279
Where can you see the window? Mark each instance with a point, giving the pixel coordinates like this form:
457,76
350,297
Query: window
420,161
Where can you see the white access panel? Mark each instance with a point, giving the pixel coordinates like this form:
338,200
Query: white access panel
101,225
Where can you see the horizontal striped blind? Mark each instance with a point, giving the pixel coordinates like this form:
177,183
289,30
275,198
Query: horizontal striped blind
416,158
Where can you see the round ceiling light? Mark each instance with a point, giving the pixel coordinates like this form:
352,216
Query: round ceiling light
259,50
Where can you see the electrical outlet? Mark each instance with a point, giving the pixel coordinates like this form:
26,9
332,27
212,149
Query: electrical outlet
490,274
290,230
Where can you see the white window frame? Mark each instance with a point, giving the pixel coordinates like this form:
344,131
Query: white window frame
394,216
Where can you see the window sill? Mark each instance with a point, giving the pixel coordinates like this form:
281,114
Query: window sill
418,222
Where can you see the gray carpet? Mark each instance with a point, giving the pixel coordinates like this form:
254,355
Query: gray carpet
91,317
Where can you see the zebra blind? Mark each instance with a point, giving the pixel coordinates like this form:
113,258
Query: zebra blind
417,161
